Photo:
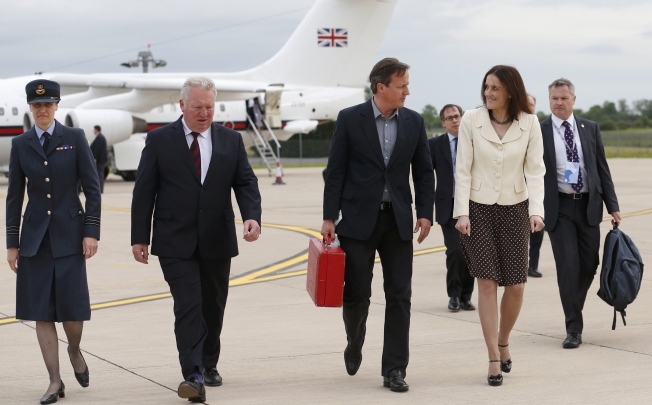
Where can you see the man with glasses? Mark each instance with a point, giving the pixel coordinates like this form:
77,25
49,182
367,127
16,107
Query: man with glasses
443,153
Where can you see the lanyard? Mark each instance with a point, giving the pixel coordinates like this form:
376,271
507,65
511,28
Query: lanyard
563,138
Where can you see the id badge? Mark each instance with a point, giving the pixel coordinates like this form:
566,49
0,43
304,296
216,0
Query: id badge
572,172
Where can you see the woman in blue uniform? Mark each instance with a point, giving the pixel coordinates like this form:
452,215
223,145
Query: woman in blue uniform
49,251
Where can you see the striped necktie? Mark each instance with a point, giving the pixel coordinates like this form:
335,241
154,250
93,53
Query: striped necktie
195,154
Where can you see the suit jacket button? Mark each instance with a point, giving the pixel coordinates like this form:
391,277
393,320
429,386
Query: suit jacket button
49,213
80,212
49,196
499,161
47,179
498,175
45,163
496,189
500,147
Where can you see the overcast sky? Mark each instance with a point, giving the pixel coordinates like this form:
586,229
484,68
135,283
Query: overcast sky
603,46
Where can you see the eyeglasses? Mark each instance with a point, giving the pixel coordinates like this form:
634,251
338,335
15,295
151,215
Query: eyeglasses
453,118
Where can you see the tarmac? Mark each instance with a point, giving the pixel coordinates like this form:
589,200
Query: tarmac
278,348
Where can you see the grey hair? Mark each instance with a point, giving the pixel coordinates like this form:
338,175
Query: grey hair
203,82
563,82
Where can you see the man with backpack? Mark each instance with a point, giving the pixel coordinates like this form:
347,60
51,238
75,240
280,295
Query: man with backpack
577,182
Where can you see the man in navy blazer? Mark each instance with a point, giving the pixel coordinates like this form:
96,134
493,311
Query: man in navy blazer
186,173
443,153
573,204
367,196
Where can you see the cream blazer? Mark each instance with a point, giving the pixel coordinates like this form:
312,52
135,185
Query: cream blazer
494,171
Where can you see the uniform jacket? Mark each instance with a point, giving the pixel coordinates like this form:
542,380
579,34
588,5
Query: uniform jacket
494,171
98,147
601,187
188,214
356,174
53,203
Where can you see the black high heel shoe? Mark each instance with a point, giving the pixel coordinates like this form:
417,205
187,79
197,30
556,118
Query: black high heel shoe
82,378
495,380
52,398
506,366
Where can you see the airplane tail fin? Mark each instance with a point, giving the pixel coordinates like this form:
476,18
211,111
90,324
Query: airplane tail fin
334,45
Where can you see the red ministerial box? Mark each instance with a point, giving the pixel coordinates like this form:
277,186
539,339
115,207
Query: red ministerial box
325,281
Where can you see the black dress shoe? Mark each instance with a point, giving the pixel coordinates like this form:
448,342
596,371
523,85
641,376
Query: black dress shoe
212,378
352,360
573,341
495,380
467,306
82,378
193,390
52,398
454,304
395,382
532,272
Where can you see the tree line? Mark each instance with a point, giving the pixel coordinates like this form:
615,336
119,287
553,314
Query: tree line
609,115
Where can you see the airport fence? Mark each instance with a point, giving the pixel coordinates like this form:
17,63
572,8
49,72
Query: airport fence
625,144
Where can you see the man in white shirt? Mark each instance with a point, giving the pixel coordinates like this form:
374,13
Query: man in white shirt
577,182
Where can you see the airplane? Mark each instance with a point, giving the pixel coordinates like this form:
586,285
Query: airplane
321,69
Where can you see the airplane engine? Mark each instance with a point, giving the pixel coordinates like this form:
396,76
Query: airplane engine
117,125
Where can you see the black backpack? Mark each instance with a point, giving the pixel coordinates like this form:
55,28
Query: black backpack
622,272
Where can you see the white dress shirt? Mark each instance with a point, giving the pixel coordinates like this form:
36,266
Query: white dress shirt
205,147
451,144
560,153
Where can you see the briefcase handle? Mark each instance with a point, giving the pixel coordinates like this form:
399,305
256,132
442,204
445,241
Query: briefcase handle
327,241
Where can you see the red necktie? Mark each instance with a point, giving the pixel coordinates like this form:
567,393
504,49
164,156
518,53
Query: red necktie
195,154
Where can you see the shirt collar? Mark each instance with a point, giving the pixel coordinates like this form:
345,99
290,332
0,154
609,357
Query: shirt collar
187,130
377,111
450,137
50,130
558,121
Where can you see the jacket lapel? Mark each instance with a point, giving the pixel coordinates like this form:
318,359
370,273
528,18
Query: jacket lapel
34,142
584,140
55,139
445,145
487,131
179,137
401,134
218,146
549,142
369,126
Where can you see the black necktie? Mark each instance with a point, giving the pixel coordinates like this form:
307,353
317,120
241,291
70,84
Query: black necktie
46,140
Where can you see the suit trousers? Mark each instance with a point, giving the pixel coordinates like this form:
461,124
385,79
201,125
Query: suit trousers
575,246
199,288
396,259
459,282
536,239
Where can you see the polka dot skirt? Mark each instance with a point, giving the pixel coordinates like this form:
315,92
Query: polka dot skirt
498,246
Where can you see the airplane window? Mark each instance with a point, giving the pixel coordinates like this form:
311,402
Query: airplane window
2,111
160,109
222,108
14,111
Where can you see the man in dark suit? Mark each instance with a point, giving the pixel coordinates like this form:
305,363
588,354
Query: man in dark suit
367,196
98,147
443,153
185,177
577,182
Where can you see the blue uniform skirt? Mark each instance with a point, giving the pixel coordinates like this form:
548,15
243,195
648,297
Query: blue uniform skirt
52,290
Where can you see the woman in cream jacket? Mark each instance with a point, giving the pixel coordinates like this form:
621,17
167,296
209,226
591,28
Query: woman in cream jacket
498,202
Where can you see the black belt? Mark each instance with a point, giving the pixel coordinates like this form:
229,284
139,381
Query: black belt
574,196
385,205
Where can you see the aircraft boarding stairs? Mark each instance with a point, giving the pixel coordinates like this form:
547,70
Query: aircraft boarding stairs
263,145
